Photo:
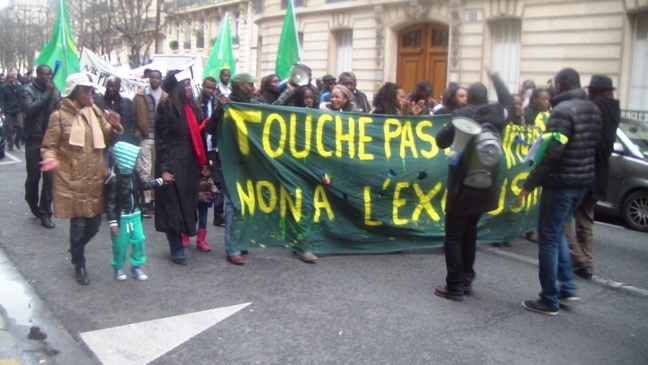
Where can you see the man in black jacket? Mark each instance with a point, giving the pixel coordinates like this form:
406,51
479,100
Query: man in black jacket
581,240
565,172
10,107
38,100
112,100
465,204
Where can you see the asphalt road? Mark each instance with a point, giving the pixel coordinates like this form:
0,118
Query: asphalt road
346,309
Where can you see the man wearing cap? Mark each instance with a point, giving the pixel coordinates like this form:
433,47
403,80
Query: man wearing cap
38,99
328,81
580,237
242,92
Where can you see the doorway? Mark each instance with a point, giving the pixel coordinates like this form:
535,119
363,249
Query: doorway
423,55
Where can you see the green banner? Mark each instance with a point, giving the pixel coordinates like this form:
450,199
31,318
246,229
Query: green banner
330,182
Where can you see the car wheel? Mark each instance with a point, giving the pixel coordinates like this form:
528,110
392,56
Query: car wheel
635,211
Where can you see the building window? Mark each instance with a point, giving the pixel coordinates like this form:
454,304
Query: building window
638,96
200,35
344,41
506,52
258,6
296,3
187,36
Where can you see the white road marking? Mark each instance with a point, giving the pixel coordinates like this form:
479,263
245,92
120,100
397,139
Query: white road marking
595,279
12,157
143,342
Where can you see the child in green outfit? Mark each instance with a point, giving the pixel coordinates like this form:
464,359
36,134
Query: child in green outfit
123,195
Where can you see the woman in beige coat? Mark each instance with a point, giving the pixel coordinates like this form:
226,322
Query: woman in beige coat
74,143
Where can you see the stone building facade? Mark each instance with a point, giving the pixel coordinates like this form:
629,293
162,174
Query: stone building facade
439,40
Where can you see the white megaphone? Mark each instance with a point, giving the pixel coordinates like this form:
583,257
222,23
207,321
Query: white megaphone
465,130
298,76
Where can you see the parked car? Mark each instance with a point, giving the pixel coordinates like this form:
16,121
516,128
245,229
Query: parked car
2,137
627,194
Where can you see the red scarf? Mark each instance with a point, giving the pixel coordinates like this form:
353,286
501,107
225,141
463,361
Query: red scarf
199,148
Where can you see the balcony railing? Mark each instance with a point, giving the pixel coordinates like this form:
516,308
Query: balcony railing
640,115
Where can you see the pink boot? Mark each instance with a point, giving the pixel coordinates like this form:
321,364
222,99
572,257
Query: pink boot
185,240
200,242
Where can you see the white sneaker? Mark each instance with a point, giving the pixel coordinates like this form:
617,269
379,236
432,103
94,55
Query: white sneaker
119,274
139,274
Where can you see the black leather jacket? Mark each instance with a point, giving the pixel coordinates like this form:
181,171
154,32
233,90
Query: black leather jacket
10,98
569,165
124,193
37,105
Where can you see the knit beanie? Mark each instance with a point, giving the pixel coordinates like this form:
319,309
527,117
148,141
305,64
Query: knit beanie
125,157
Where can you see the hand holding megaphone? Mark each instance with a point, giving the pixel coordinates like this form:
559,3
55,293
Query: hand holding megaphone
465,130
298,77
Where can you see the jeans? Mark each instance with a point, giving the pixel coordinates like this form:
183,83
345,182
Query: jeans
41,208
203,212
217,175
81,232
459,248
175,245
557,206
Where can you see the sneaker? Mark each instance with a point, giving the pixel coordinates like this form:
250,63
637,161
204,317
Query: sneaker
119,274
139,274
539,306
566,298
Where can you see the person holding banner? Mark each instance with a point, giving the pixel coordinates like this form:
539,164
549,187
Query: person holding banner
341,100
242,92
465,205
180,156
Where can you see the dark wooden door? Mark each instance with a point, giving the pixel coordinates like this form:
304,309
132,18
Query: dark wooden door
423,55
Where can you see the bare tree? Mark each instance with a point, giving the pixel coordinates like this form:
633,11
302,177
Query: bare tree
23,32
138,24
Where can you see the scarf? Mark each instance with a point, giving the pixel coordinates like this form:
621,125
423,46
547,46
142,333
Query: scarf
195,135
78,130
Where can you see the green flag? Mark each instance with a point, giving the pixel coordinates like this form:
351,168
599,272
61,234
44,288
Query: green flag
222,55
60,49
288,52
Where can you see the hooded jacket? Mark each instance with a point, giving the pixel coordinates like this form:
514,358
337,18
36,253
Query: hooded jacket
463,200
124,187
569,165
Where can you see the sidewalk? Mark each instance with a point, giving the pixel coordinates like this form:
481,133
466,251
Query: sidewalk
28,334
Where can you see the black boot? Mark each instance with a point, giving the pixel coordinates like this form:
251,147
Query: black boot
81,275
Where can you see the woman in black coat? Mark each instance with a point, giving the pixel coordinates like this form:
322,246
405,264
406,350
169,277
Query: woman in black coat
180,155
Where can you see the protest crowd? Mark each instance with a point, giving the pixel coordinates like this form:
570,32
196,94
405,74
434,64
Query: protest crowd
157,157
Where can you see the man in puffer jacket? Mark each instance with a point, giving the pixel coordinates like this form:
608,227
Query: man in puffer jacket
565,172
124,192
